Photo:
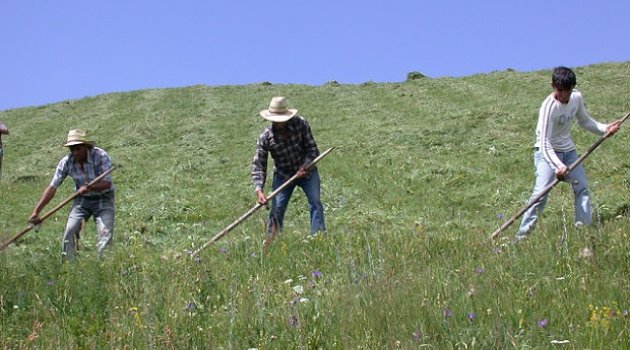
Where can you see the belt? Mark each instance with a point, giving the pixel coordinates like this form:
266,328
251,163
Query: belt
99,196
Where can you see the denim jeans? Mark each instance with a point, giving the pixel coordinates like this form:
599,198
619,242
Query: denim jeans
102,208
311,187
1,155
545,175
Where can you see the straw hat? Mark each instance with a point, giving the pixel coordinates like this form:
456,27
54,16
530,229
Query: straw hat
78,137
278,110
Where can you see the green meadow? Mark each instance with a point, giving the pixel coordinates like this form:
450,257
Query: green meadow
423,171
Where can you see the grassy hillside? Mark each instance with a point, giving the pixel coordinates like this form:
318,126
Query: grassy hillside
422,173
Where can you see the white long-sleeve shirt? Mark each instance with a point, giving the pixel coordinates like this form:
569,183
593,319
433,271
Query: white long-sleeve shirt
553,132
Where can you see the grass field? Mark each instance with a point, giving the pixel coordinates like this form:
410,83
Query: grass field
423,171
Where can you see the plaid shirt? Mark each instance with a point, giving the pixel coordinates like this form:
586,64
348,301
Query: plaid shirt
2,126
289,155
97,162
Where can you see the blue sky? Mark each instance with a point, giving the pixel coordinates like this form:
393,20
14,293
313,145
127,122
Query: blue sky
52,51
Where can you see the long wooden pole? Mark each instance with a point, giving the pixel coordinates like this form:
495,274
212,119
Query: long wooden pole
258,205
555,182
54,210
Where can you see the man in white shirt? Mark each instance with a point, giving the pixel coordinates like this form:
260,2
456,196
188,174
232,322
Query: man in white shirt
555,150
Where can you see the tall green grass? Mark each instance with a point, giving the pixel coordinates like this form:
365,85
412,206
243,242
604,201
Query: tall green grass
422,173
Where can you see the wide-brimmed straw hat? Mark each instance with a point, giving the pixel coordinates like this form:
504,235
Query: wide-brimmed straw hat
278,110
78,137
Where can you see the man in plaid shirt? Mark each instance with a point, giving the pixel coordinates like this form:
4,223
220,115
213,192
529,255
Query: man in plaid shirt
3,131
292,147
83,164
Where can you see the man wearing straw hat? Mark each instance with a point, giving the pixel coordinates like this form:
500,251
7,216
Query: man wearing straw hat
84,163
291,144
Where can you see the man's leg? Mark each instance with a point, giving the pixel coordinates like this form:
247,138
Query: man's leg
77,216
279,204
104,219
312,189
579,183
1,155
545,175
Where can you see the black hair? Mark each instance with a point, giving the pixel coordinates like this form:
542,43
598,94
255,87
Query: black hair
563,78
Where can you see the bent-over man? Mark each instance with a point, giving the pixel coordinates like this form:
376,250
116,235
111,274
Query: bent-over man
83,164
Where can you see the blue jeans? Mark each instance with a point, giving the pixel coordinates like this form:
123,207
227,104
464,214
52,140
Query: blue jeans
102,208
1,155
545,175
311,187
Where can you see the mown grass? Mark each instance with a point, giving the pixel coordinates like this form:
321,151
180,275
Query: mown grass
422,173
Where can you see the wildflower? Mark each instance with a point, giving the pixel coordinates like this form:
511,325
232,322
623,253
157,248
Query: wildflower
51,283
254,255
542,323
500,216
303,300
316,274
293,321
480,270
191,307
417,335
223,250
586,253
198,259
298,289
447,313
471,316
625,313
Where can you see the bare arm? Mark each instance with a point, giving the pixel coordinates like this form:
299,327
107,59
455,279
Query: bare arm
46,197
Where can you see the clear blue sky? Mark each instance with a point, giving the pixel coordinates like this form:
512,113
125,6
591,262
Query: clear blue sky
52,51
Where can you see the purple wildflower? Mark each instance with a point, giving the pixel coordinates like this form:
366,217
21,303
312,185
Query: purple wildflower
293,321
223,250
625,313
500,216
316,274
51,283
480,270
417,335
542,323
191,306
447,313
471,316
